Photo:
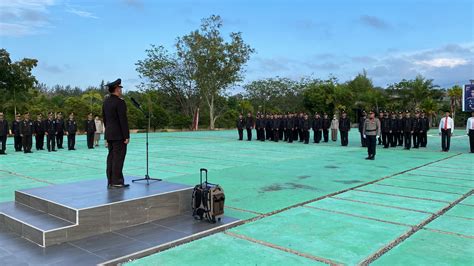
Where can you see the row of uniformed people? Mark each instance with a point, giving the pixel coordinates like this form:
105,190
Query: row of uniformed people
53,128
292,126
400,130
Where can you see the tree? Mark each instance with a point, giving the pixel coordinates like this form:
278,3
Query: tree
455,95
413,92
16,80
217,64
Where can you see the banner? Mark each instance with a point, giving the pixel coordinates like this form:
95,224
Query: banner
468,98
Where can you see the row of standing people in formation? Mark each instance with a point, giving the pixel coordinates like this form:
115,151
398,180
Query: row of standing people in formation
396,128
23,129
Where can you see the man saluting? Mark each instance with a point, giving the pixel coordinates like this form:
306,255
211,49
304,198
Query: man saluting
117,134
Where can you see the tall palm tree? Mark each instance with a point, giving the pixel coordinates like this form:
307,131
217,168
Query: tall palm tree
455,95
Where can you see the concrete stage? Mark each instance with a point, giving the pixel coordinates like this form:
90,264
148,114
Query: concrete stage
86,223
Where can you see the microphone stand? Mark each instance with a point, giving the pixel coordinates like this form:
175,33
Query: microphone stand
147,176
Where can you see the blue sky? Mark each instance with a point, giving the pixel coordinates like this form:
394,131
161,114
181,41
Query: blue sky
82,42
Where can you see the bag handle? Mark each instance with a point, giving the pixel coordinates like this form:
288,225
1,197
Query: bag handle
203,170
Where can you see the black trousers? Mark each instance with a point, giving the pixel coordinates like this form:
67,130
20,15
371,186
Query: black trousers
295,134
416,140
344,138
90,140
17,143
3,144
407,140
306,136
301,134
380,140
326,135
59,139
115,160
241,133
445,139
280,133
385,139
268,133
423,139
393,139
39,141
51,142
371,142
276,135
249,134
262,134
317,136
27,141
363,141
71,141
471,139
400,138
289,133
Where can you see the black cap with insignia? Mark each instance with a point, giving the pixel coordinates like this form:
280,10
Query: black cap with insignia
111,86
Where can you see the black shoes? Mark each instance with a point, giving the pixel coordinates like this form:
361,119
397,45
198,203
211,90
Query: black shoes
110,186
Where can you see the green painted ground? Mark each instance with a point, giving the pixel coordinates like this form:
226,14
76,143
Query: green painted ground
260,178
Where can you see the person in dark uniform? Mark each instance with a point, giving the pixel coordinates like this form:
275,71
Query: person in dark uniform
257,125
50,131
400,120
407,130
117,134
370,131
263,123
3,134
385,124
26,131
361,128
296,127
290,127
16,133
39,130
424,127
71,129
379,138
268,127
90,130
393,130
283,122
326,124
344,128
249,124
60,130
306,126
317,126
276,128
416,130
240,126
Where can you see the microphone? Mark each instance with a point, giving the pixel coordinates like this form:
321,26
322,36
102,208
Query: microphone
136,103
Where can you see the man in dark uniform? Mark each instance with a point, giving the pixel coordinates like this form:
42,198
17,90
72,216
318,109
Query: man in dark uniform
39,132
296,126
117,134
90,130
344,128
50,127
290,127
407,130
393,130
249,124
416,130
363,140
16,133
306,126
379,138
261,127
26,131
317,126
240,126
71,129
300,127
3,134
276,128
283,122
400,120
385,125
326,125
60,130
268,127
424,127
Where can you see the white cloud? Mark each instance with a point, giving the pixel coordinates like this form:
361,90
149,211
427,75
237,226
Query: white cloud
24,17
81,13
442,62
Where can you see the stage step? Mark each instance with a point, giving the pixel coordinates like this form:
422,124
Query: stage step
60,213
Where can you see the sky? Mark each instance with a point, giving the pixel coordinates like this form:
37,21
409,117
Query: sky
80,43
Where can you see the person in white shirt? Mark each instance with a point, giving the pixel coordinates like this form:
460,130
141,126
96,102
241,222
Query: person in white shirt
446,129
470,131
99,128
334,128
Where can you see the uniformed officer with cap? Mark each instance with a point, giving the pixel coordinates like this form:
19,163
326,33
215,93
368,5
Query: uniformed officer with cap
117,134
50,131
39,132
90,130
71,129
60,130
344,128
16,132
26,132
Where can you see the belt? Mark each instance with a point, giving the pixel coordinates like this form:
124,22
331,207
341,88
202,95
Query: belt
370,130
